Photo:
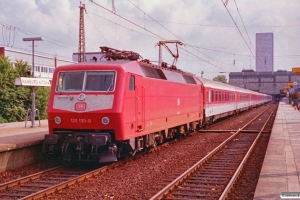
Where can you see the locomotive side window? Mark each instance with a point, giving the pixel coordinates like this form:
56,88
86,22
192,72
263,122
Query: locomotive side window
100,81
131,83
153,72
189,79
70,81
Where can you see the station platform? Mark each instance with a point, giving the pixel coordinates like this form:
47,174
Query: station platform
15,135
280,173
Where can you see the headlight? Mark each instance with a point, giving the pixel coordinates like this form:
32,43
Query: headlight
57,120
105,120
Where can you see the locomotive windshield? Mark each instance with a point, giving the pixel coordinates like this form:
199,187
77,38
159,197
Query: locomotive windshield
100,81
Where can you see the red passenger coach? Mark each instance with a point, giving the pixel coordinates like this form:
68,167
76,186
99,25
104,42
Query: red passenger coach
109,109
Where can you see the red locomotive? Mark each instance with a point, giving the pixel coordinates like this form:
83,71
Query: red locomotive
110,109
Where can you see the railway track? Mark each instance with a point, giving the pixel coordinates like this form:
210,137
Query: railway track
46,182
214,175
16,189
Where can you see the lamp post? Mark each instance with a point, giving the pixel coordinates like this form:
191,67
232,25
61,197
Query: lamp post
32,88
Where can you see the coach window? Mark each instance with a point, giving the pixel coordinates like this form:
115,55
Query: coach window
212,96
131,83
207,96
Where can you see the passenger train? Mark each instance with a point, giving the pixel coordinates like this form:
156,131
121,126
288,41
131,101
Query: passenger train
106,110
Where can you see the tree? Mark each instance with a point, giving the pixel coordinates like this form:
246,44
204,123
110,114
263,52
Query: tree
8,107
15,100
220,78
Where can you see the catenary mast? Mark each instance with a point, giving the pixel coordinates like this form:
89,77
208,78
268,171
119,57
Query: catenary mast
81,45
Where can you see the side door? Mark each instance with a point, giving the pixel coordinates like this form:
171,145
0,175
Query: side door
139,103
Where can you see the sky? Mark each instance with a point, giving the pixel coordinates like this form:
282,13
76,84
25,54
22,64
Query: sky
218,36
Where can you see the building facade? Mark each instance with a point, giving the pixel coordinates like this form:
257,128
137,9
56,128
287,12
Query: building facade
44,66
264,52
272,83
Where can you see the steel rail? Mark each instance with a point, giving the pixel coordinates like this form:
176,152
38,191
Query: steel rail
222,131
60,186
163,193
25,179
242,164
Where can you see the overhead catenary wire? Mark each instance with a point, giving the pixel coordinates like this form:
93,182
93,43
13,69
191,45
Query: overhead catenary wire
121,25
217,26
170,31
156,37
151,32
34,34
244,24
237,28
23,50
156,21
216,50
128,20
98,31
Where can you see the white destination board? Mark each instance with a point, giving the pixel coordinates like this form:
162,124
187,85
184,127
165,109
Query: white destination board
264,52
25,81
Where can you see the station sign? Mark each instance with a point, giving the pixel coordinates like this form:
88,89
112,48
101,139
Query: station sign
26,81
296,70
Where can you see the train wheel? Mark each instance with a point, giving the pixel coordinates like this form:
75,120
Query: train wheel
123,152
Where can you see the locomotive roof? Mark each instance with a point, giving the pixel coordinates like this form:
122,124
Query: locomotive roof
141,68
117,62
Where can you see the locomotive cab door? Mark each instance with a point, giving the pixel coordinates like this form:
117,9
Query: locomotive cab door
139,103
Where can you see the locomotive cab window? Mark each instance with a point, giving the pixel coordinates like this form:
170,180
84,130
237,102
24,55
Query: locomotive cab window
131,83
70,81
86,81
100,81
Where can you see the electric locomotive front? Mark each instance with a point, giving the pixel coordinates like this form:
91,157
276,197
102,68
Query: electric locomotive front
81,107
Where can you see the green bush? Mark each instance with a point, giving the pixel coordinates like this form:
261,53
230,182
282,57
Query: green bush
15,100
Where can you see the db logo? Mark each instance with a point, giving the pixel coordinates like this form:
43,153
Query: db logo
80,106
